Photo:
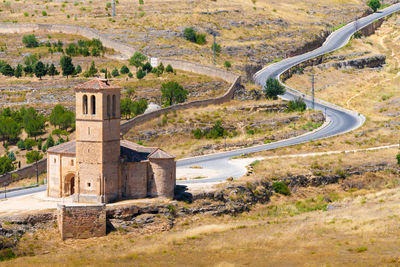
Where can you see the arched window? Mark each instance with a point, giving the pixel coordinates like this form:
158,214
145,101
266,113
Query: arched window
85,105
114,105
93,103
108,106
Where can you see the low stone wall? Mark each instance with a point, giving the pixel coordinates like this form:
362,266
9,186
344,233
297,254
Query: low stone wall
25,172
81,221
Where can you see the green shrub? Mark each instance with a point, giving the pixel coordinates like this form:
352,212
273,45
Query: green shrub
190,34
227,65
115,72
273,88
281,188
140,74
130,75
201,38
169,69
374,4
398,158
124,70
217,48
296,105
44,13
30,41
147,67
198,134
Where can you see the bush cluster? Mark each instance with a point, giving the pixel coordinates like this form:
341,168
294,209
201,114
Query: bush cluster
191,35
129,107
217,131
296,105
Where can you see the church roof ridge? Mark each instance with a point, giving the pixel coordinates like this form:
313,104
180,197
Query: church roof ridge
97,84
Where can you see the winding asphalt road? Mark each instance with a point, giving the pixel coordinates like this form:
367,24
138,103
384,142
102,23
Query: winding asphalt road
340,120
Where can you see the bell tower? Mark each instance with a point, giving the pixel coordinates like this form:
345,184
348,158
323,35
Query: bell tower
97,141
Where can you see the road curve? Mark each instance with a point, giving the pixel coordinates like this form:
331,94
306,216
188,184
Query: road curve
341,120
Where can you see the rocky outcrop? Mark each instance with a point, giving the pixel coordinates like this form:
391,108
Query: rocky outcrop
358,63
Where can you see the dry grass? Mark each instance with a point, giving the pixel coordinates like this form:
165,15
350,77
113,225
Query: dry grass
361,230
335,163
175,14
236,114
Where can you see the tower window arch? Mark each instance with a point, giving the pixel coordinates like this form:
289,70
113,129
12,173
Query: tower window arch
114,105
93,103
85,104
108,106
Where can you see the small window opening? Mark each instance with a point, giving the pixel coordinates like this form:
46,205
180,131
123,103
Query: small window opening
85,105
89,185
93,102
72,162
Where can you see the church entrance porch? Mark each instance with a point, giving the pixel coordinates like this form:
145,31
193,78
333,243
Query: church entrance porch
69,184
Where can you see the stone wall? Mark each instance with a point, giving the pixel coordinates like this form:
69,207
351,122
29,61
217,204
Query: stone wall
125,127
25,172
81,221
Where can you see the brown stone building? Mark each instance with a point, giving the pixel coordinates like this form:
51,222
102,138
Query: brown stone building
98,167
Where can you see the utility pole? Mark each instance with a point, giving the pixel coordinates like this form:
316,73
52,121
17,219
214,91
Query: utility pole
356,24
113,12
214,47
313,91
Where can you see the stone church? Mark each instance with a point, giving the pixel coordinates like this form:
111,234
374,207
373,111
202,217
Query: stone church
98,167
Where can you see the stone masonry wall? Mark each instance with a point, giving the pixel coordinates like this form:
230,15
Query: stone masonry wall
81,222
25,172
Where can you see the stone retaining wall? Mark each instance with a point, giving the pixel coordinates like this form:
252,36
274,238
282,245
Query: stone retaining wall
25,172
81,221
125,127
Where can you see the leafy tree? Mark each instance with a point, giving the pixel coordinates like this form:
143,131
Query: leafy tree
190,34
49,143
61,117
34,123
53,71
169,69
21,144
296,105
273,88
130,75
137,59
72,50
78,69
66,65
227,65
172,93
9,129
374,4
140,74
18,71
124,70
11,156
95,52
125,107
147,67
40,70
6,165
7,70
29,143
92,70
30,40
115,72
34,156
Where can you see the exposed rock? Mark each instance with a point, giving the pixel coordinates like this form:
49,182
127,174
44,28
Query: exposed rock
359,63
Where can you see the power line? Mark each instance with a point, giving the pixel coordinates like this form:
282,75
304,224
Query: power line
313,90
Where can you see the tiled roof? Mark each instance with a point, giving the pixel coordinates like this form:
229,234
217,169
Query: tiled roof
160,154
64,148
97,84
130,151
